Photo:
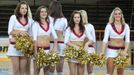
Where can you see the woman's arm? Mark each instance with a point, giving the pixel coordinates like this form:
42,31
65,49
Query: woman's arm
35,46
34,30
127,38
55,39
105,39
11,24
93,34
89,35
30,26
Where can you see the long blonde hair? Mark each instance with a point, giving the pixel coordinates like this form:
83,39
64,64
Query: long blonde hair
111,18
29,12
84,16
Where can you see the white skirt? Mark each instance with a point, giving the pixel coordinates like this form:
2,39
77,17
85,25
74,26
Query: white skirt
13,52
111,53
46,51
90,50
73,60
60,47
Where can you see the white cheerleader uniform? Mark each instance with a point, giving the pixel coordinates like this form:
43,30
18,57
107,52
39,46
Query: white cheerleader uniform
90,29
60,24
72,36
111,32
15,24
38,30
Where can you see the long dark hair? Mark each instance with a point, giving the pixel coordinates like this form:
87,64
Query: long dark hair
17,10
72,24
37,14
55,9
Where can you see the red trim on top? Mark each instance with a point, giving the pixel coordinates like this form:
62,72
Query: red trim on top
57,41
45,48
114,47
78,35
114,28
12,42
44,28
60,42
90,46
24,24
51,41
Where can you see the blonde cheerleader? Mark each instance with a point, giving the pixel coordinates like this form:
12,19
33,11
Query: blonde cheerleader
89,46
116,37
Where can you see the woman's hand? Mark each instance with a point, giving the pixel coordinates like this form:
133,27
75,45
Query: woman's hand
86,46
101,53
23,33
54,49
124,53
76,47
15,32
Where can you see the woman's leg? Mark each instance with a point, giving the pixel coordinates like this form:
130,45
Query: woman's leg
120,71
36,68
51,70
80,69
90,69
46,70
28,67
72,68
23,64
110,66
15,65
59,66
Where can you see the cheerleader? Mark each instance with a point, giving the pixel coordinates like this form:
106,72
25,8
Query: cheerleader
60,24
42,28
74,37
89,45
19,23
116,37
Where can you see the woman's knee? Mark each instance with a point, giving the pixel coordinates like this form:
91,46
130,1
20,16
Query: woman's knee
16,66
23,63
110,62
72,67
120,71
59,67
52,68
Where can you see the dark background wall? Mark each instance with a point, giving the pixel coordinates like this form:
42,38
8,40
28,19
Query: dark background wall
98,10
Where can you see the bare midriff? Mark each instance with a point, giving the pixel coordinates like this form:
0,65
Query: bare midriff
117,42
78,43
59,34
43,41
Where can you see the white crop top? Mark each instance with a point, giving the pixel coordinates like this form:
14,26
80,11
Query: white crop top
111,32
38,30
90,28
60,24
72,36
15,24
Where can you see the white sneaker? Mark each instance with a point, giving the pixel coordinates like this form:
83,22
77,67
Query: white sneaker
91,74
